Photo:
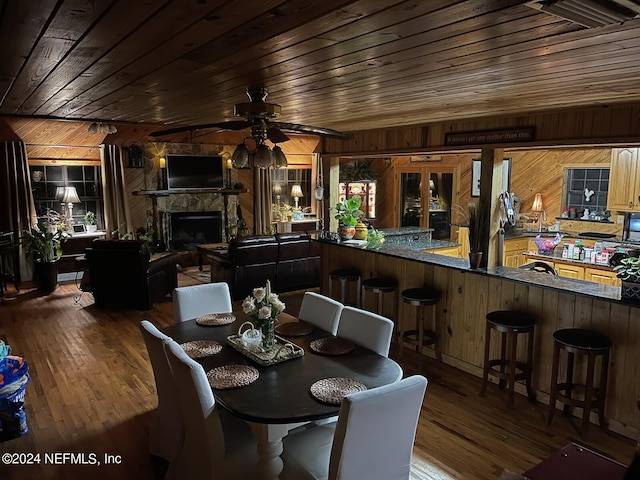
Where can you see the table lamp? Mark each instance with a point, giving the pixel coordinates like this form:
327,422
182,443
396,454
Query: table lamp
537,208
60,195
277,190
70,197
296,193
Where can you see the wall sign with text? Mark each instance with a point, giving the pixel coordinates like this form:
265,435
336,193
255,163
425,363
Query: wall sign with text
510,135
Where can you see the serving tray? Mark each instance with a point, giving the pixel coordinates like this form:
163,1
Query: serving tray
281,352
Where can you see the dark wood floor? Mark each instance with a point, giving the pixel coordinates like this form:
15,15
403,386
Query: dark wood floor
92,392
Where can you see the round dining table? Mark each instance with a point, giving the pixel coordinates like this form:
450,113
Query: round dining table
280,398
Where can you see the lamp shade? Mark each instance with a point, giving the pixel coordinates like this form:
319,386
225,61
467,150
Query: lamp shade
240,157
277,189
60,193
296,191
537,203
279,159
262,157
70,195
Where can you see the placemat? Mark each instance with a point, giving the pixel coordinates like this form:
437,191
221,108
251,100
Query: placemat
232,376
201,348
294,329
332,346
332,390
213,319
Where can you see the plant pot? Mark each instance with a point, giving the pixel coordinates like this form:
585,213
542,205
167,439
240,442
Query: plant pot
92,228
474,259
361,231
346,233
631,291
46,275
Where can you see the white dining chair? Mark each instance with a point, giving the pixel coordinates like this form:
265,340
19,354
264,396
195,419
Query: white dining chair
321,311
197,300
215,446
373,437
365,328
165,437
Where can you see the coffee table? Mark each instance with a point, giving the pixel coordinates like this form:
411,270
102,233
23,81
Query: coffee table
210,249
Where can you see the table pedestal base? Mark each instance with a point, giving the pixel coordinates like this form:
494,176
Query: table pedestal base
269,438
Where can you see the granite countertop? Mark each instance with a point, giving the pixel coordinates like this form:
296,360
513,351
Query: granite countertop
554,282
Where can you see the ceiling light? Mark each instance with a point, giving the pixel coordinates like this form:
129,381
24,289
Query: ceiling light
99,127
240,157
262,157
279,159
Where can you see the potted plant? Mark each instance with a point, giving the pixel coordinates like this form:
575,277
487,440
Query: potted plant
46,246
628,270
90,221
478,220
348,213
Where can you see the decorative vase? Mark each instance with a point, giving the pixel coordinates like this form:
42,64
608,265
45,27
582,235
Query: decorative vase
92,228
268,334
474,259
46,274
346,232
361,231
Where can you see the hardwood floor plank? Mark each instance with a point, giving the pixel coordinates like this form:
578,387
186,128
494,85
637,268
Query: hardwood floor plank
92,391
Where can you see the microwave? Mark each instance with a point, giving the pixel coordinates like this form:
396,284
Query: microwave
632,227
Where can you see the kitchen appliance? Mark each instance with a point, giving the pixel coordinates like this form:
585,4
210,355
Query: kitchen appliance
631,227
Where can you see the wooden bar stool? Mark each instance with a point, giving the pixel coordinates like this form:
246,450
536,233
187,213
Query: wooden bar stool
421,337
345,275
594,345
379,286
509,324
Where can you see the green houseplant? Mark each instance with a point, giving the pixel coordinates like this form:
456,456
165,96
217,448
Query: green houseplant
46,246
348,213
90,221
628,270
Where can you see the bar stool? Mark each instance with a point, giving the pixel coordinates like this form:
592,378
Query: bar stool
379,286
592,344
419,298
509,324
345,275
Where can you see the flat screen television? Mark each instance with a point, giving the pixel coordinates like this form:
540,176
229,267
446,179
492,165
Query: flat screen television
194,171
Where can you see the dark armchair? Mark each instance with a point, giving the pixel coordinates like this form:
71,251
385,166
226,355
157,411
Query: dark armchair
123,274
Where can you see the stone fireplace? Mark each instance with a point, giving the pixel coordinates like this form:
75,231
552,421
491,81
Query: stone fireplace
188,229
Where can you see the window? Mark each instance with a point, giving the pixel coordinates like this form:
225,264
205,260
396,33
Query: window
45,180
283,179
587,188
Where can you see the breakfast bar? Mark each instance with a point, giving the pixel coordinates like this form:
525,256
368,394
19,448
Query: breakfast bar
468,295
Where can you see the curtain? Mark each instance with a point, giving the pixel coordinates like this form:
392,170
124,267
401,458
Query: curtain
17,208
116,197
262,201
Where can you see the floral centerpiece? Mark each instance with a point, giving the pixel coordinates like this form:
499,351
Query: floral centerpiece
547,245
264,306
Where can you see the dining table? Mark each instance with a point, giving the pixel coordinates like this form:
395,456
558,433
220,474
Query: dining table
281,397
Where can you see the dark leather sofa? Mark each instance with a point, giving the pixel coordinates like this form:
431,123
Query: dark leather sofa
123,274
291,261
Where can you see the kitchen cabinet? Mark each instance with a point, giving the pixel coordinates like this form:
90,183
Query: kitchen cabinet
569,271
601,276
449,251
624,181
513,252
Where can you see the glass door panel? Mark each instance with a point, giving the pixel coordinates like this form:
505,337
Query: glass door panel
410,199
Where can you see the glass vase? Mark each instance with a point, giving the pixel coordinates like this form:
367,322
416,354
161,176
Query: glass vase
268,334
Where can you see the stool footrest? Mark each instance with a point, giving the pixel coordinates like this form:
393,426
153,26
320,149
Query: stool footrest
521,375
596,399
411,336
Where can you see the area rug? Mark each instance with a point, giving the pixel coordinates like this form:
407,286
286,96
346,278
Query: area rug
203,276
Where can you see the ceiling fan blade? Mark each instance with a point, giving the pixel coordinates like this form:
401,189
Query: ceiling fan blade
276,135
230,125
296,127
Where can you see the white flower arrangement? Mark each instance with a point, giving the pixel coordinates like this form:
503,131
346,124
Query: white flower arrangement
262,304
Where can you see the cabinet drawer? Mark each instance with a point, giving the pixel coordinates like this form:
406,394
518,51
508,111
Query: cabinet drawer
601,276
570,271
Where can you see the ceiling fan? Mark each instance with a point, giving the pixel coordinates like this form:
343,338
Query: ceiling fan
259,118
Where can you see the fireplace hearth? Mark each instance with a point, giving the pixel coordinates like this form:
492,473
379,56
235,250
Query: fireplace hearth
188,229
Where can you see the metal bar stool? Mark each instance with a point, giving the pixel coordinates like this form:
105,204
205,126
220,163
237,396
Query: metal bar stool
379,286
585,342
421,337
509,324
345,275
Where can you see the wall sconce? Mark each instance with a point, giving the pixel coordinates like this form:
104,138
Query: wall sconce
105,128
70,197
162,173
296,193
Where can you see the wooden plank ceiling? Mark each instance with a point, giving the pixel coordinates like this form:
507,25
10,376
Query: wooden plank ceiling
346,65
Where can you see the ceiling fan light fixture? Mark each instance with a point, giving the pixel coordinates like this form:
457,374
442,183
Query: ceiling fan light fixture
279,158
99,127
240,156
262,157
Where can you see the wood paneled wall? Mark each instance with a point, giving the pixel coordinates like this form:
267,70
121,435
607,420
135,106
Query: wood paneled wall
468,296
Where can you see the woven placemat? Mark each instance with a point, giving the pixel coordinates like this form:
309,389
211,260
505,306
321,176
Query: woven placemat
332,346
232,376
213,319
294,329
201,348
332,390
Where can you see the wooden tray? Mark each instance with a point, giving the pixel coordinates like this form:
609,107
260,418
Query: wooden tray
281,351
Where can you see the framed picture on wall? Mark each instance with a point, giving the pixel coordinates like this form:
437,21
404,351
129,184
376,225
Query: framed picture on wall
475,176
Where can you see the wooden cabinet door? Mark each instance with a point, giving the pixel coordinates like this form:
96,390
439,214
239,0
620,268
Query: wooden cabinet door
513,252
448,251
624,180
601,276
570,271
463,240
